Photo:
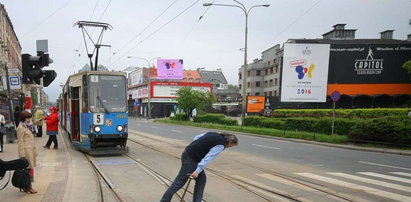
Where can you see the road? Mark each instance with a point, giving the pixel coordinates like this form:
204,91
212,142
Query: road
354,175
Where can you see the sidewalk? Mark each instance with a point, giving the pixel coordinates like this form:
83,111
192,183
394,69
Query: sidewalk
53,176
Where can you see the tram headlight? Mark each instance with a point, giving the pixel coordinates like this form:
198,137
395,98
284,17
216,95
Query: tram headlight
97,129
119,128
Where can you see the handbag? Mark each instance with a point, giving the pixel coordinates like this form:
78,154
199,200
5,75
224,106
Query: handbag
21,179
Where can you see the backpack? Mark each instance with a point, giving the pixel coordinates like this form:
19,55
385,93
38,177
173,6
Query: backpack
21,179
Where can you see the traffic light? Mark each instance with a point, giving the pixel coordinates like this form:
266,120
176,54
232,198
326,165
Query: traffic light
32,68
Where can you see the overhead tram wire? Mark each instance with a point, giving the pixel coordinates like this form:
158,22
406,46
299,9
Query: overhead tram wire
291,24
139,34
104,12
45,19
157,30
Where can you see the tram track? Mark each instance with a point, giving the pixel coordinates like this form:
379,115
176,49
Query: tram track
255,188
102,178
252,188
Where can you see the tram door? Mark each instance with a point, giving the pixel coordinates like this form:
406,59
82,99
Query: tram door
75,109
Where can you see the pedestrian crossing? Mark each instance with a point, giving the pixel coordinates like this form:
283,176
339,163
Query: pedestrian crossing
360,186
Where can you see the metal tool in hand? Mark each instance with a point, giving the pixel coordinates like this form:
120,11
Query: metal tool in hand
188,184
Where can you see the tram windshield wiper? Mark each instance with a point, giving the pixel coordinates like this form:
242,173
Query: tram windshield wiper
102,104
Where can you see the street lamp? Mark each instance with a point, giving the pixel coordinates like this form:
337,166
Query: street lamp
246,12
149,80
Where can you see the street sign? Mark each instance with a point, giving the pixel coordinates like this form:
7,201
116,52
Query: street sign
13,70
335,96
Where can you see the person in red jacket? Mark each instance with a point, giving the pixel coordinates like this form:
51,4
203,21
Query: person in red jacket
52,123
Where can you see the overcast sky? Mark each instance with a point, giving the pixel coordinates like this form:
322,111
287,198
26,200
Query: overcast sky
172,29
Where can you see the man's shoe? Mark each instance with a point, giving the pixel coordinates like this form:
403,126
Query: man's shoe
55,147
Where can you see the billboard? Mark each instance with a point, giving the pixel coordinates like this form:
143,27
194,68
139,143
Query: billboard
135,77
169,89
255,104
170,69
368,63
305,72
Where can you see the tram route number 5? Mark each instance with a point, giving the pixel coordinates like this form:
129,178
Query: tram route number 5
98,119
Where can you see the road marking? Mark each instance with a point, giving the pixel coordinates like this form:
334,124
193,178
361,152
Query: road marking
371,181
261,188
399,179
402,173
177,131
377,164
360,188
266,146
296,185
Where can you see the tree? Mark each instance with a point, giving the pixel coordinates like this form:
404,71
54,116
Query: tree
189,99
232,87
407,66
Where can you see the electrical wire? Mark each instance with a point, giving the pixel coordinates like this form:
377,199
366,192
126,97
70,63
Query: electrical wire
291,24
157,30
139,34
46,18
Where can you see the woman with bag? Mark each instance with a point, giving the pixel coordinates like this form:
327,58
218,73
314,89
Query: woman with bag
52,124
26,144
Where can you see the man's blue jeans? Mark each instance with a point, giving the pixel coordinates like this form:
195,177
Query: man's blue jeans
188,166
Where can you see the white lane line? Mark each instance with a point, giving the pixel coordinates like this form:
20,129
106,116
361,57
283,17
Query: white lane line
257,145
177,131
402,173
371,181
298,186
260,188
389,177
377,164
360,188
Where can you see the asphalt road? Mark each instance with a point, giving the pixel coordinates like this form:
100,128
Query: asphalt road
330,159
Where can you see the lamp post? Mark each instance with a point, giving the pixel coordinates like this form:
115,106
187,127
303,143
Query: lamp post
149,80
246,13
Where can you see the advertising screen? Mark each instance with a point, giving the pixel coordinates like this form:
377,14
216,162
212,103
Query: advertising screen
170,69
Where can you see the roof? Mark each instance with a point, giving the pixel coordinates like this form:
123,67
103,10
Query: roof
191,74
212,77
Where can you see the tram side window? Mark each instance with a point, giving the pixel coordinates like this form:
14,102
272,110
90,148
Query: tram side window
85,94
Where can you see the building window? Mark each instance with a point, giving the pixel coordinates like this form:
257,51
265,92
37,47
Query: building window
257,94
275,93
248,73
190,79
266,71
248,84
271,70
276,69
265,93
271,82
276,81
248,94
239,76
270,93
185,79
258,72
239,86
268,63
257,84
265,83
198,80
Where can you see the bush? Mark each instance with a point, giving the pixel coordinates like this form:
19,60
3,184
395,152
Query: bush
343,113
214,118
180,117
252,121
272,123
392,129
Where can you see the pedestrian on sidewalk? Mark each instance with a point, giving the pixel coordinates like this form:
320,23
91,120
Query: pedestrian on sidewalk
195,158
26,144
16,116
52,124
38,121
2,131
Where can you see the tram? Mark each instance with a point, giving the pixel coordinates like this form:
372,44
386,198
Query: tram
93,112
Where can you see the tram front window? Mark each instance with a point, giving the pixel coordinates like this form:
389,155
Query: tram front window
107,93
